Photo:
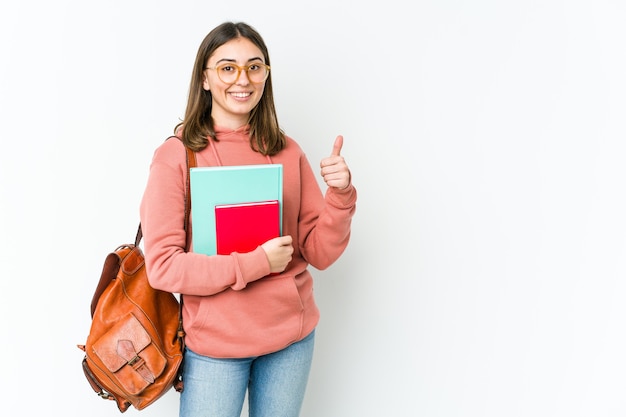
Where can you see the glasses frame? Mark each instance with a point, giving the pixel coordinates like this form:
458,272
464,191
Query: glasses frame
239,69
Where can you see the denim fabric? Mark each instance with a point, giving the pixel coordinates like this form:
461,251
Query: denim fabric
276,383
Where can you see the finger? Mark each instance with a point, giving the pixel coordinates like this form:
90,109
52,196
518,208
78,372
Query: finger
337,146
286,240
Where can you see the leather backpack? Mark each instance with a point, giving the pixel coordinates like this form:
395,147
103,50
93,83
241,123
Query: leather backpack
134,350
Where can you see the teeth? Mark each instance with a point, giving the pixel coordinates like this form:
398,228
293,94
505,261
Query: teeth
241,95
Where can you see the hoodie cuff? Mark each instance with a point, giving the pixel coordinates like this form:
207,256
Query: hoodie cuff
250,267
344,198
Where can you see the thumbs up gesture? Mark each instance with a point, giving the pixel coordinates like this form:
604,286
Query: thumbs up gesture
334,169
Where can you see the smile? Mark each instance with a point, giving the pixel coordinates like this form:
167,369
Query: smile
241,95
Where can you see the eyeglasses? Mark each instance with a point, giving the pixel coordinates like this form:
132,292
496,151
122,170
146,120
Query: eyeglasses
229,73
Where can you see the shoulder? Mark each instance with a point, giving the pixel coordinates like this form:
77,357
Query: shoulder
171,152
292,155
292,147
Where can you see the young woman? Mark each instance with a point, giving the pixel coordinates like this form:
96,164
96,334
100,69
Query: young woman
249,318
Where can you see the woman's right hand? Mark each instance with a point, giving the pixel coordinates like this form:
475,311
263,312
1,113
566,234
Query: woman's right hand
278,252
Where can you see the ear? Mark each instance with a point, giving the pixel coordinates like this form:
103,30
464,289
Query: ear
205,82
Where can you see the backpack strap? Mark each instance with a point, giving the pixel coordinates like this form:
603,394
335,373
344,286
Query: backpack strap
191,163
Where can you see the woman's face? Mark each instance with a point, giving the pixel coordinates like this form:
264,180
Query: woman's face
233,100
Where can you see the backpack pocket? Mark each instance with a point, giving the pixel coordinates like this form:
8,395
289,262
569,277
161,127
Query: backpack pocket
128,352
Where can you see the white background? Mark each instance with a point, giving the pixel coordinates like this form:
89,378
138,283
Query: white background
485,276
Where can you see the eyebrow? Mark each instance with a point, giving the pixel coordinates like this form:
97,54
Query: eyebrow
256,58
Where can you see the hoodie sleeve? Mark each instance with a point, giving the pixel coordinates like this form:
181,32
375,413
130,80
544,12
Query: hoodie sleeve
169,266
325,222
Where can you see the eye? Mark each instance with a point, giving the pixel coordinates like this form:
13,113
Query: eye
227,68
254,67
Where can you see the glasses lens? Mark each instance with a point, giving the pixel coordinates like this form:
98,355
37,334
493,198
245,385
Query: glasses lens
257,73
227,73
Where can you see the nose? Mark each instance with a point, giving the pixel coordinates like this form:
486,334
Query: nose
242,77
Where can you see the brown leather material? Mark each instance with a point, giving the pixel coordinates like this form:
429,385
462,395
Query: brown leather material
134,348
134,351
110,268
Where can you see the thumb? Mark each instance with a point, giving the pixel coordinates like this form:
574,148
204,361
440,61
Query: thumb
337,146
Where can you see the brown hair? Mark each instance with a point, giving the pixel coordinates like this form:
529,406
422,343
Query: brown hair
266,136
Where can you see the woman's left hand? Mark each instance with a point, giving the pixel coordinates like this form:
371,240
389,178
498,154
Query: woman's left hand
334,168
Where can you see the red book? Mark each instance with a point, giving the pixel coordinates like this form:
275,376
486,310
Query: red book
242,227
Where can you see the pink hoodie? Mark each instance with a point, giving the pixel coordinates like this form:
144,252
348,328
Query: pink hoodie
232,308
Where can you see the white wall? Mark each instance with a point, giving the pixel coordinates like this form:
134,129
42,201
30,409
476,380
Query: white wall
486,272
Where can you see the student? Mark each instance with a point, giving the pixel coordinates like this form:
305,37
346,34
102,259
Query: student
249,318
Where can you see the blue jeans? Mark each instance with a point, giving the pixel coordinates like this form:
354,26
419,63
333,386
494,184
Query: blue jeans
276,383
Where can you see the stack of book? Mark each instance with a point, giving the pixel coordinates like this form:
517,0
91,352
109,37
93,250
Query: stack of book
235,208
